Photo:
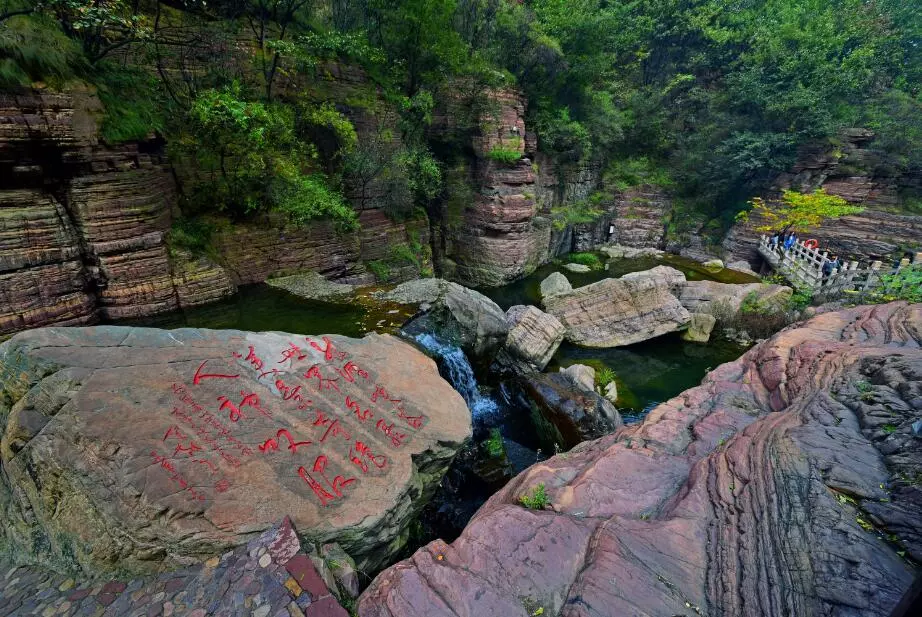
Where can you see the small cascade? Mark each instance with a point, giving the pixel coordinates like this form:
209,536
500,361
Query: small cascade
460,374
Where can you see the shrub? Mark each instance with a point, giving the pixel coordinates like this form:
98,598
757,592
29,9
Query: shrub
587,259
604,376
380,269
133,108
537,500
904,285
494,444
192,235
506,156
577,213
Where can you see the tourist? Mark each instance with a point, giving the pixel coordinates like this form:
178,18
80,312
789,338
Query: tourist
790,242
773,241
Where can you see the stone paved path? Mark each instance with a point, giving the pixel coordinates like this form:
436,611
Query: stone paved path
269,577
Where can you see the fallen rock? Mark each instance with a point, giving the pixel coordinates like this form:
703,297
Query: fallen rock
533,338
582,376
313,286
743,496
138,450
699,328
460,315
742,266
630,252
579,268
719,298
616,312
555,284
567,415
673,277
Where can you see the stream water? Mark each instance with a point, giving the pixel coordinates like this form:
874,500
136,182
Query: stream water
646,373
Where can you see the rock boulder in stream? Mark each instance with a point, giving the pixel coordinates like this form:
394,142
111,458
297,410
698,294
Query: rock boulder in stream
464,316
556,283
136,450
786,484
616,312
533,338
726,298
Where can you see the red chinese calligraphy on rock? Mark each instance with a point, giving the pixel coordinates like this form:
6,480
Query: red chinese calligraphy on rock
361,455
292,353
334,427
251,357
167,465
329,350
273,444
327,491
350,370
235,411
361,414
200,375
394,435
322,382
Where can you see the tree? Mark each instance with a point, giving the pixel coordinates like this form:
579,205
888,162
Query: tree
797,211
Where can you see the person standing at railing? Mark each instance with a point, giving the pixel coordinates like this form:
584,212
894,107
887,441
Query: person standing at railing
790,241
773,241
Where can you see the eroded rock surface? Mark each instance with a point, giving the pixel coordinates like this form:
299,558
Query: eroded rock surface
616,312
711,296
743,496
533,338
136,449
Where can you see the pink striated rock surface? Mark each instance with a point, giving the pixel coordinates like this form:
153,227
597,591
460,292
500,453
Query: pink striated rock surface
783,485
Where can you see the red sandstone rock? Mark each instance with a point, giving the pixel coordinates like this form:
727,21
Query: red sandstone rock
137,449
742,496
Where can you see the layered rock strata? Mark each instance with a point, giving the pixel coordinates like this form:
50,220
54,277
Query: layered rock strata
786,484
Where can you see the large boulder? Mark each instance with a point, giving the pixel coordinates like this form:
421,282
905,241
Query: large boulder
671,276
136,450
616,312
582,376
629,252
461,315
566,414
555,284
786,484
313,286
718,298
533,338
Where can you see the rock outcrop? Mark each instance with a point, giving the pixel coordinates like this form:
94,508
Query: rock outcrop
532,340
566,415
786,484
556,283
459,315
138,450
727,298
615,312
699,328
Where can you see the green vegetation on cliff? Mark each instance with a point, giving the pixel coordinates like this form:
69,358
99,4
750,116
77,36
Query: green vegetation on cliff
713,99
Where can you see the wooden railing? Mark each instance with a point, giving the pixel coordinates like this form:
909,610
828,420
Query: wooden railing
803,268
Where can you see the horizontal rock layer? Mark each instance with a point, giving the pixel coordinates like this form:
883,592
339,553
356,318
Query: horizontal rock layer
786,484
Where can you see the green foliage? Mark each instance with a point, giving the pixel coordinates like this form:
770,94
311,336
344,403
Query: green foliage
568,139
193,235
799,300
798,211
537,500
904,285
587,259
252,161
33,49
604,376
380,269
623,174
578,213
494,444
133,109
889,428
506,156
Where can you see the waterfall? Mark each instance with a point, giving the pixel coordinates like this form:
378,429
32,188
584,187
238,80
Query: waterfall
459,373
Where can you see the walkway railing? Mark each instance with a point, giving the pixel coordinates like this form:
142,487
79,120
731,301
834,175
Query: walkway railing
803,268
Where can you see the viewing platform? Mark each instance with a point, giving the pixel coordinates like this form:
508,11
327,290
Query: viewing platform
803,267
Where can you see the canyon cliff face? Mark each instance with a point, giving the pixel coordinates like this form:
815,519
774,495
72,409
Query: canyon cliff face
84,225
788,483
855,172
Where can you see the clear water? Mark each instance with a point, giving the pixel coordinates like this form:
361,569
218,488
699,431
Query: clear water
460,374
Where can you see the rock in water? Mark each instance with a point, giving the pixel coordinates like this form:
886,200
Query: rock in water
714,265
139,449
565,414
533,338
582,376
578,268
699,328
719,298
744,496
617,312
554,284
458,314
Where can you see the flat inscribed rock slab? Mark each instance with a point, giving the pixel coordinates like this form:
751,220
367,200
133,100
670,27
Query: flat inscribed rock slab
137,449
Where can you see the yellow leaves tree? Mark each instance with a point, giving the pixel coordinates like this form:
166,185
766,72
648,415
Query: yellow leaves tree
796,211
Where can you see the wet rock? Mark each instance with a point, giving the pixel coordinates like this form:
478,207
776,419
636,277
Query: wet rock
533,338
714,265
699,328
164,447
630,252
616,312
461,315
772,461
555,284
577,268
582,376
313,286
567,415
611,392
